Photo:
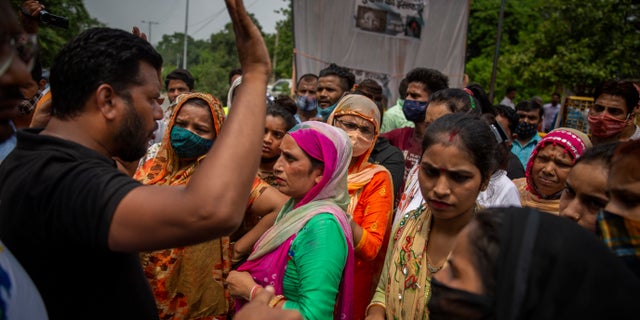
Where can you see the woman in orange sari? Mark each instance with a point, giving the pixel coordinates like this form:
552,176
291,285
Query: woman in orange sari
188,282
371,195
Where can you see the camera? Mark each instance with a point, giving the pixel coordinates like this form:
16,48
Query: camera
52,19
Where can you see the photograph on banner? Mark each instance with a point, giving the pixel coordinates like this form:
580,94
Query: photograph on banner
398,18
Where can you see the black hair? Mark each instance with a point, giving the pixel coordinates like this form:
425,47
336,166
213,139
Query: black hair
234,72
479,94
285,108
182,75
470,133
623,89
509,114
402,88
528,106
456,100
503,149
600,153
484,241
510,89
433,80
347,79
307,77
556,94
371,89
95,57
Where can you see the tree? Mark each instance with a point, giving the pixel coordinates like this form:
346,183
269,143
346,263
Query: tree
284,50
52,39
568,46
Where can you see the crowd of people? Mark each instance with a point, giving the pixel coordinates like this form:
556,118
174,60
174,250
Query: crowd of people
327,204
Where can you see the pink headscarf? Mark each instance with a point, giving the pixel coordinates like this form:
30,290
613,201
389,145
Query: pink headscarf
269,257
572,141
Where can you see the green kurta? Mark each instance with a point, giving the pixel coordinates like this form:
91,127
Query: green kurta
318,255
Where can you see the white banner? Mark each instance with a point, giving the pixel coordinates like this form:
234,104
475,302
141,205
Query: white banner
382,38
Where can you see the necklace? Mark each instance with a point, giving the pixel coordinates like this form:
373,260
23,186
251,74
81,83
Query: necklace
431,268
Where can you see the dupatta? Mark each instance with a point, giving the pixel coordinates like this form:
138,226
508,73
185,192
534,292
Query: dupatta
269,257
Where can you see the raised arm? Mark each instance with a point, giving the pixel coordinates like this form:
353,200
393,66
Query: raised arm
212,204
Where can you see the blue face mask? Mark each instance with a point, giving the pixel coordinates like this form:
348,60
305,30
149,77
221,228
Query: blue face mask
414,110
306,104
187,145
324,113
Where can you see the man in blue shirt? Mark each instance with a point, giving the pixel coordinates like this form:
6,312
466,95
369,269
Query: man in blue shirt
526,134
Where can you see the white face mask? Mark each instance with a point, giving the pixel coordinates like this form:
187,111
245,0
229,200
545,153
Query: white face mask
360,143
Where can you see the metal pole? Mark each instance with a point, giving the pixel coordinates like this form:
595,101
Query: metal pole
494,69
275,57
184,51
150,23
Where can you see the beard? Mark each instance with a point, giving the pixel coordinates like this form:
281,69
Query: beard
131,139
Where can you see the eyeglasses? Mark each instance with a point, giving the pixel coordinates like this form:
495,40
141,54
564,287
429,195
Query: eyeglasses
350,126
25,46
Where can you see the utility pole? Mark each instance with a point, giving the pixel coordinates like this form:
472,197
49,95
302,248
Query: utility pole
494,69
184,51
275,57
150,23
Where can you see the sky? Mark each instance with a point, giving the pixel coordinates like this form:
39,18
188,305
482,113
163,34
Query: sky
205,16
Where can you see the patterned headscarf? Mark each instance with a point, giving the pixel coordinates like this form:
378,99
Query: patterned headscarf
165,169
331,146
362,171
573,141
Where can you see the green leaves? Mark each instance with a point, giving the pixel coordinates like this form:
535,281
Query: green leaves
551,45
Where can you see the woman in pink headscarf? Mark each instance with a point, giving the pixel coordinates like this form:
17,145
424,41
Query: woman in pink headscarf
548,169
308,254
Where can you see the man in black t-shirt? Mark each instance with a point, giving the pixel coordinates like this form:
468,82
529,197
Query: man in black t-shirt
74,221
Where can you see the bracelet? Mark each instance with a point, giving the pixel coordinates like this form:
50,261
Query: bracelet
253,291
275,300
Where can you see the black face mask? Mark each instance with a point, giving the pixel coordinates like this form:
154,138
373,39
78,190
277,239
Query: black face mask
450,303
526,130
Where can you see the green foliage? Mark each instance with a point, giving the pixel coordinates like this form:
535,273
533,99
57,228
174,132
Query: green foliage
554,45
284,50
52,39
210,61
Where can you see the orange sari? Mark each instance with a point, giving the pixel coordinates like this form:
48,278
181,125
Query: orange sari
188,282
371,205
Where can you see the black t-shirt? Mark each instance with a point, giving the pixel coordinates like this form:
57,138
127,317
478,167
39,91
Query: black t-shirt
57,199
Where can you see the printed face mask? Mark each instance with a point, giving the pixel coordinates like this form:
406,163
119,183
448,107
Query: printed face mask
414,110
306,104
187,144
526,130
605,126
451,303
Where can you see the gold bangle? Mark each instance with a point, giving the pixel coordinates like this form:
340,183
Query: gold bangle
275,300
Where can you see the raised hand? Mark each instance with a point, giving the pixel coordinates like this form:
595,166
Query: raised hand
136,32
252,50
